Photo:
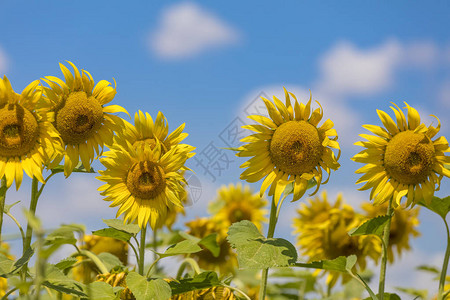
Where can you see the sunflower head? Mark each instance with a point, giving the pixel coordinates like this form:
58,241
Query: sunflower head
82,118
28,141
289,147
143,181
117,278
235,203
402,159
214,293
226,261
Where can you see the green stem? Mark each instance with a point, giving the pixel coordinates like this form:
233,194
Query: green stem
445,265
237,290
188,261
94,258
40,264
18,225
386,234
29,233
5,297
3,189
271,231
134,250
155,244
142,250
152,265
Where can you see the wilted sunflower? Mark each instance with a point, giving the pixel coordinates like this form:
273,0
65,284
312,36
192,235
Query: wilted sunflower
214,293
81,117
143,182
117,279
322,233
235,203
401,159
289,147
226,261
28,139
403,226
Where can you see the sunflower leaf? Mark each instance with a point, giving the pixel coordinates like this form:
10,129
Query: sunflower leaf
60,236
146,288
201,281
113,233
100,290
8,207
65,290
387,296
340,264
257,252
119,225
109,260
373,226
66,263
210,243
183,247
438,205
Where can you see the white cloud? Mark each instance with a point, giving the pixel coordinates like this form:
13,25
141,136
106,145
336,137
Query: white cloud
187,29
3,62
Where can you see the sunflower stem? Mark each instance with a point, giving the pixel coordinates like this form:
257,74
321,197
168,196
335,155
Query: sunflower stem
445,265
155,245
3,189
270,233
386,234
29,232
142,250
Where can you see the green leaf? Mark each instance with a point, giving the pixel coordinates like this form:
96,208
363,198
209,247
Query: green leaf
64,290
210,243
55,276
113,233
201,281
187,236
387,296
8,207
151,289
6,265
340,264
373,226
66,263
23,260
109,260
60,236
33,221
438,205
100,290
183,247
422,294
430,269
78,169
119,225
256,251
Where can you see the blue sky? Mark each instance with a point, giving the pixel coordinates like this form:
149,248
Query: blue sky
203,63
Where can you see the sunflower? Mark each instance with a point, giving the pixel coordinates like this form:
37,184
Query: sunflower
81,117
288,147
226,261
146,130
117,278
401,159
235,203
214,293
403,226
142,181
28,140
322,233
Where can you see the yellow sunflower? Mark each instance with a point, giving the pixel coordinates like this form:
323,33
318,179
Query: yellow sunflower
322,233
289,147
143,182
28,140
235,203
226,262
117,278
403,226
214,293
147,130
401,159
81,117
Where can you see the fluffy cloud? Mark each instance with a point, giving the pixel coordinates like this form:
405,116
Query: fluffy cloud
186,29
3,61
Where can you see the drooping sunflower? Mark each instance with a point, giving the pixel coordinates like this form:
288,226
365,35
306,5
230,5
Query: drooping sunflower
142,181
322,233
82,118
28,140
226,261
118,278
235,203
401,159
214,293
289,147
404,225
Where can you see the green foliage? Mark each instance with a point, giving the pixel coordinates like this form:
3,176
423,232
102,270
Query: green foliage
57,280
387,296
9,267
119,225
8,207
100,290
183,247
256,251
339,264
66,263
373,226
438,205
145,288
109,260
201,281
113,233
417,294
210,243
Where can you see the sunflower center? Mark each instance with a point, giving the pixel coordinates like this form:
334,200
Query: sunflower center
78,118
409,157
18,130
296,147
146,180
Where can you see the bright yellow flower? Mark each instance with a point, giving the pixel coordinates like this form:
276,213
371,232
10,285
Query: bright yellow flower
117,279
235,203
143,182
28,139
226,262
403,226
289,147
322,233
401,159
81,117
